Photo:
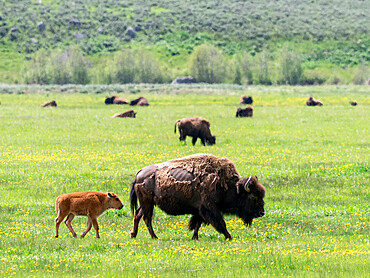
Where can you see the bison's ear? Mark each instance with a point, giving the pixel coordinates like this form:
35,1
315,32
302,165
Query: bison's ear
110,195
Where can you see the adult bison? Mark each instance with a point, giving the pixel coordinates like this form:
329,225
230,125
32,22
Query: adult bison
246,112
313,102
115,100
51,103
203,185
246,100
140,101
197,127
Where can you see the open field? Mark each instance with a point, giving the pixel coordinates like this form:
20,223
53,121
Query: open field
313,161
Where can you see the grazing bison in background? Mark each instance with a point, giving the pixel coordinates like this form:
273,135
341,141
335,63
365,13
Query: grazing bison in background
141,101
115,100
197,128
246,100
313,102
246,112
51,103
353,103
203,185
127,114
88,203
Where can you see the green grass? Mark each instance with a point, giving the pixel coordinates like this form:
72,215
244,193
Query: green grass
313,161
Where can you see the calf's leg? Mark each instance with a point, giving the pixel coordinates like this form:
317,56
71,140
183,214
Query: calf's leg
58,220
68,223
94,221
88,227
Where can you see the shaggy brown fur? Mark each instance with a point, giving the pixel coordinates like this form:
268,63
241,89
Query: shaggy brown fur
88,203
203,185
115,100
353,103
246,112
246,100
127,114
51,103
141,101
197,128
313,102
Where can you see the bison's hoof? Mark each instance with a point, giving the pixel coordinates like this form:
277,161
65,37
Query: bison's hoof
132,235
56,236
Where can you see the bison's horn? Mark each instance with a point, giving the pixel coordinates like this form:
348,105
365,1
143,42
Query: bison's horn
246,187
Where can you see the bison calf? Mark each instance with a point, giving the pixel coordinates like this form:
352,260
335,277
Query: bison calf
197,128
246,112
88,203
127,114
141,101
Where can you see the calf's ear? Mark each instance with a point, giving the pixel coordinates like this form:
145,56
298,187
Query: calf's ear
110,195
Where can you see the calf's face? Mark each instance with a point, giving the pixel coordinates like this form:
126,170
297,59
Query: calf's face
114,201
211,140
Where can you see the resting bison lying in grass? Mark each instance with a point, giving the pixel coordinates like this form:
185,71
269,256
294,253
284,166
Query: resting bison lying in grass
141,101
246,112
203,185
197,128
88,203
353,103
246,100
51,103
115,100
313,102
127,114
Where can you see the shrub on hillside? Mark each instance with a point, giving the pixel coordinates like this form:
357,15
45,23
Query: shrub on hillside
207,64
263,75
361,75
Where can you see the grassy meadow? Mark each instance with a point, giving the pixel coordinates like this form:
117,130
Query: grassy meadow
313,162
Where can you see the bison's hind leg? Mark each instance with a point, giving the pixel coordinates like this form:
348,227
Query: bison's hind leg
58,220
137,216
194,224
68,223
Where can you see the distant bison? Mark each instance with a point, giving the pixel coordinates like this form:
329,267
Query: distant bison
51,103
141,101
246,100
127,114
88,203
353,103
115,100
313,102
197,128
203,185
246,112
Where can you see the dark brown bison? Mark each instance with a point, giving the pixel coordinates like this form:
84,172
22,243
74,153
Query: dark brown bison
197,128
51,103
141,101
246,112
203,185
127,114
246,100
313,102
115,100
353,103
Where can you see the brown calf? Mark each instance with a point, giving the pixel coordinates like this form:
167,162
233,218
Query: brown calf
51,103
88,203
127,114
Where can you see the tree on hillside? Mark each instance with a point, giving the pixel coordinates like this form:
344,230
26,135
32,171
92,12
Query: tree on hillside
290,67
207,64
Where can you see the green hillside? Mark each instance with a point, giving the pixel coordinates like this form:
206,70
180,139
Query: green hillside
329,32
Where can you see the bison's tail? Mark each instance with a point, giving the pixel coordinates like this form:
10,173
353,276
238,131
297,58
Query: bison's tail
176,124
133,198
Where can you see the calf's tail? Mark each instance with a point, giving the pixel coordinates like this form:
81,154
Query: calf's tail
133,198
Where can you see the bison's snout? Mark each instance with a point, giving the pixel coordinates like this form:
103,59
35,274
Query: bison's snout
259,214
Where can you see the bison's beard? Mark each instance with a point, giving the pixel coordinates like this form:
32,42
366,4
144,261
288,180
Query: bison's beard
247,219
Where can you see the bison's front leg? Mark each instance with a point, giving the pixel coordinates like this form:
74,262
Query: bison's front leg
137,216
195,138
94,221
213,216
